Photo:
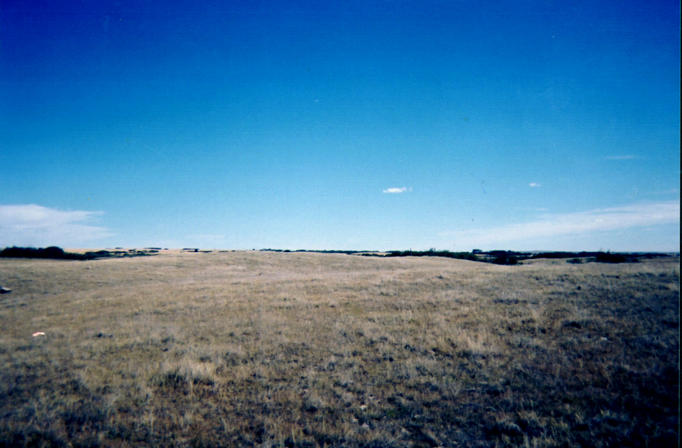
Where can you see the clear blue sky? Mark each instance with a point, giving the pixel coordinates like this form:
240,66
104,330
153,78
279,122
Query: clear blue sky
341,125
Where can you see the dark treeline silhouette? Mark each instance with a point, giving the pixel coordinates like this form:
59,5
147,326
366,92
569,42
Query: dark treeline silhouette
509,257
433,253
57,253
601,256
52,252
504,257
322,251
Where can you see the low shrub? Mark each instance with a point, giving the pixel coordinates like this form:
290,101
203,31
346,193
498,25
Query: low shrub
608,257
52,252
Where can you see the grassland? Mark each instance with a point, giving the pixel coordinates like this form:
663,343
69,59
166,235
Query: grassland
299,349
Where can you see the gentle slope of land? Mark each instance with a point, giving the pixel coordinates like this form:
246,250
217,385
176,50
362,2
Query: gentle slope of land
305,349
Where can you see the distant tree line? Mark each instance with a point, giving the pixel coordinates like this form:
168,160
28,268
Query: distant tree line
433,253
323,251
503,257
509,257
52,252
57,253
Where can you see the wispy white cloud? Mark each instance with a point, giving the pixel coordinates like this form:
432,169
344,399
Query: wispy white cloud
397,190
621,157
35,225
534,185
551,225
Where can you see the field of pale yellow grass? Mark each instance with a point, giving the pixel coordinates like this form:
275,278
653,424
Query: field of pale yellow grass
309,349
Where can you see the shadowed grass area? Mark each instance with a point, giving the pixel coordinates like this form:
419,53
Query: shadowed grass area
301,349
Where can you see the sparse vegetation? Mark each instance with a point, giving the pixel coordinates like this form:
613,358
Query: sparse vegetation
308,349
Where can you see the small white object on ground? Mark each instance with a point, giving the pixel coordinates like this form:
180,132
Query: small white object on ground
4,290
38,333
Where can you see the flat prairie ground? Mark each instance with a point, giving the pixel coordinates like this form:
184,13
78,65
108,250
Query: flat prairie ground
303,349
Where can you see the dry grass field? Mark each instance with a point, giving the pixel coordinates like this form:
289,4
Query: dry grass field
301,349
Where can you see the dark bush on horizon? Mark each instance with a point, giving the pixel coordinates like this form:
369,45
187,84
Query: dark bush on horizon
433,253
504,257
600,257
554,255
608,257
52,252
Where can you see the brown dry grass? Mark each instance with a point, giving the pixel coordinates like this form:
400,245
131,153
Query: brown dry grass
296,349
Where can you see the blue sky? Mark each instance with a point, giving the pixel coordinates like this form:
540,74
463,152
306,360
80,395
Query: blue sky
341,125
